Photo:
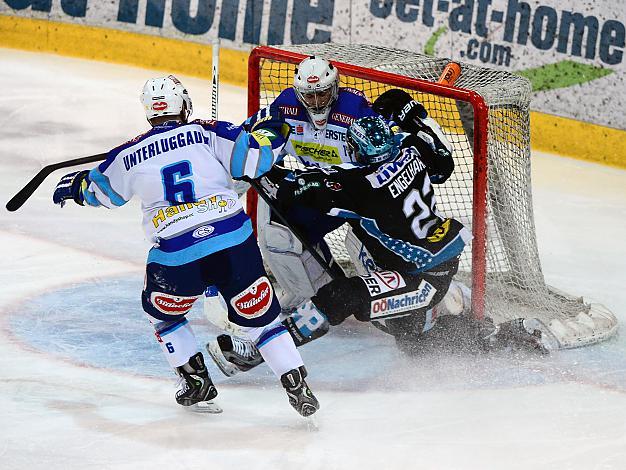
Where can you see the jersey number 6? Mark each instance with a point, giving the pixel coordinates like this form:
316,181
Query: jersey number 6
177,182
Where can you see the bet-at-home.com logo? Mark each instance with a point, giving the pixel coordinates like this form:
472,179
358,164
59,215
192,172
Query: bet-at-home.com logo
496,24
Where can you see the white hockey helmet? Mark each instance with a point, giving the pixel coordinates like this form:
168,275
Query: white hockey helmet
165,96
316,83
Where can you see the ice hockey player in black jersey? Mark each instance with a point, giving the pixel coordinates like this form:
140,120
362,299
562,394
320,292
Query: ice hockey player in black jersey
387,197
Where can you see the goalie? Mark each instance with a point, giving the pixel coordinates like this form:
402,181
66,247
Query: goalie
319,113
388,199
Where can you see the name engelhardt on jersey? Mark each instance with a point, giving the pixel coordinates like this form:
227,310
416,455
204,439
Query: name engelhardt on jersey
399,174
159,146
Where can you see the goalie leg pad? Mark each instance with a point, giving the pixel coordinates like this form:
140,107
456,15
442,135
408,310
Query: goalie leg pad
294,268
361,258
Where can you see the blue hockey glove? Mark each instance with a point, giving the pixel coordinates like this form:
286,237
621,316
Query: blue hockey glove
70,188
270,118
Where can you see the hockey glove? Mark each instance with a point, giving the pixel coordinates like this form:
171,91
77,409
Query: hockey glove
400,107
270,118
70,187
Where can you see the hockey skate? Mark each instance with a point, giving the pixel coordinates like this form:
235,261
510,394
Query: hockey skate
196,388
300,395
233,355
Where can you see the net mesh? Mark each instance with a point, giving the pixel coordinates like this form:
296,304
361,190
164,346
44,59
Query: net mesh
515,284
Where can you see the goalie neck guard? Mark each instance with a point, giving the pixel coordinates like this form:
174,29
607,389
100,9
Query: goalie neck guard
165,96
316,83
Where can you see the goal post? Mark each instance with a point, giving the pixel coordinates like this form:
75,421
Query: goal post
486,118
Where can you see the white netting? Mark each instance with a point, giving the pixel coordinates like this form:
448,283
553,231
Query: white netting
515,284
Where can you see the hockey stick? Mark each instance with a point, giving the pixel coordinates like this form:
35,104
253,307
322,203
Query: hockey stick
215,77
27,191
322,262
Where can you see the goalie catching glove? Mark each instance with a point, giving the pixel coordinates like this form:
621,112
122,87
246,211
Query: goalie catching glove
71,186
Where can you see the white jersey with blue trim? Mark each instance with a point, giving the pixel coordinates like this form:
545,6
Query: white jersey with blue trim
183,175
326,146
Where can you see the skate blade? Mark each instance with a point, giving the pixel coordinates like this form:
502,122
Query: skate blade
218,359
311,424
206,407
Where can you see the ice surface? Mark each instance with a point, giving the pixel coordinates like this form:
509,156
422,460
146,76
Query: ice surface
83,384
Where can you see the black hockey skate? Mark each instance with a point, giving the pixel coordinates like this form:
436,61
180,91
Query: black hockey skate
300,395
233,355
196,385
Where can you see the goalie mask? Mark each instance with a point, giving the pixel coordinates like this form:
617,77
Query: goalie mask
316,83
370,141
165,96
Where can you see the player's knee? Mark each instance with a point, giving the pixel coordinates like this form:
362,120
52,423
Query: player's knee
339,299
278,238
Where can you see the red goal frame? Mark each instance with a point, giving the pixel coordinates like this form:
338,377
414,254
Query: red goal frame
479,190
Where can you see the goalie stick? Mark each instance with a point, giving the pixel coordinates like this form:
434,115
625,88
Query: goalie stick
27,191
322,262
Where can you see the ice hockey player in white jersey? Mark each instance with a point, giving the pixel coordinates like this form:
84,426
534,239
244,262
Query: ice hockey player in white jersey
181,171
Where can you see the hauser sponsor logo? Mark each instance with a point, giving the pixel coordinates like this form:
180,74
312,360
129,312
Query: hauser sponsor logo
203,231
396,304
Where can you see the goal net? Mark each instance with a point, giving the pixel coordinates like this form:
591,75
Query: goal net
486,118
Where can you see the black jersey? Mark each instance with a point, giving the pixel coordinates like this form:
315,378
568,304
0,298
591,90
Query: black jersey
391,206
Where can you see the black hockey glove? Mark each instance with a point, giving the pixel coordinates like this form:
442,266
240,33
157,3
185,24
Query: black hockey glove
398,106
70,188
271,181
